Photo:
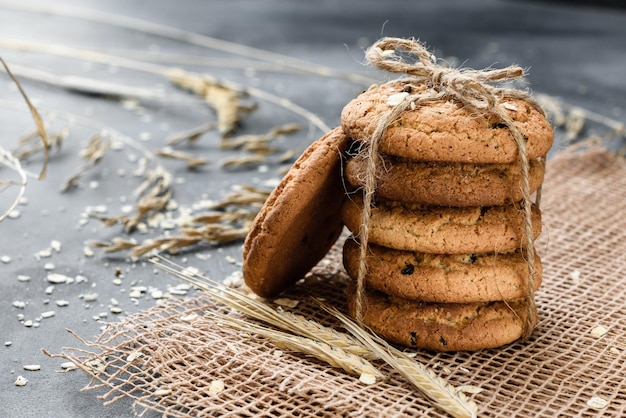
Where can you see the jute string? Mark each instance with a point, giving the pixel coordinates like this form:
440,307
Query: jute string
471,89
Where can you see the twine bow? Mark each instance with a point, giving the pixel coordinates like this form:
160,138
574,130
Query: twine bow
471,89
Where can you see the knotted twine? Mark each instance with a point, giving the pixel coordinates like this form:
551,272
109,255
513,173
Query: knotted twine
471,89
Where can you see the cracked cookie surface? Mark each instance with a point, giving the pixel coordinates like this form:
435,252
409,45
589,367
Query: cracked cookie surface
445,131
447,184
441,326
441,230
443,278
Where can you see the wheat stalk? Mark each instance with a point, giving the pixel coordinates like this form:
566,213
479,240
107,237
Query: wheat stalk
327,352
436,389
278,318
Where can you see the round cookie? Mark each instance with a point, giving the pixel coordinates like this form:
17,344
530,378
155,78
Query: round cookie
445,130
441,326
442,278
441,230
447,184
300,220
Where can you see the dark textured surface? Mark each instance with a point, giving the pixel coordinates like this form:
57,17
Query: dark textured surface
573,52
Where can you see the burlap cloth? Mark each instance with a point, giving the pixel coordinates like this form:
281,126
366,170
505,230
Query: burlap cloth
564,364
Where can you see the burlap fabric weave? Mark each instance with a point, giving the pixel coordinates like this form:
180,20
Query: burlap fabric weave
555,373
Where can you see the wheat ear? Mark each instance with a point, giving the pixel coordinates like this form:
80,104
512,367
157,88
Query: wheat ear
436,389
334,356
278,318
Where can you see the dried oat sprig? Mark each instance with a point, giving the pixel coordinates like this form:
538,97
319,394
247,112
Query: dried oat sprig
116,244
226,100
41,129
30,144
154,194
215,233
245,195
93,153
436,389
573,118
232,216
221,227
329,353
261,311
258,143
192,162
220,99
244,161
190,135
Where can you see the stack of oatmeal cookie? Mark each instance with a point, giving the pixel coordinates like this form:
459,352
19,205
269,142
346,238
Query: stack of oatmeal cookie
446,268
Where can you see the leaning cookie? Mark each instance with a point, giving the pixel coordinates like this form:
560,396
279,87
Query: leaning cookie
441,230
442,278
444,130
441,326
447,184
300,220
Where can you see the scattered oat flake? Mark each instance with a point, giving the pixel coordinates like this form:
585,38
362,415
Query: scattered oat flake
90,297
49,289
19,304
8,343
88,252
598,331
509,106
14,214
469,389
21,381
367,378
68,365
615,350
32,367
57,278
396,99
47,253
133,356
191,271
49,266
5,259
23,278
277,353
56,245
230,259
62,303
97,365
48,314
157,294
596,402
217,386
289,303
575,275
190,318
178,292
28,323
115,310
162,392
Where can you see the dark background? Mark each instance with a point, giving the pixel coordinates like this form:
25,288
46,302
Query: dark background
572,50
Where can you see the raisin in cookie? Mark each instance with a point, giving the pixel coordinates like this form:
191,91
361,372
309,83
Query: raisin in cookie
443,278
